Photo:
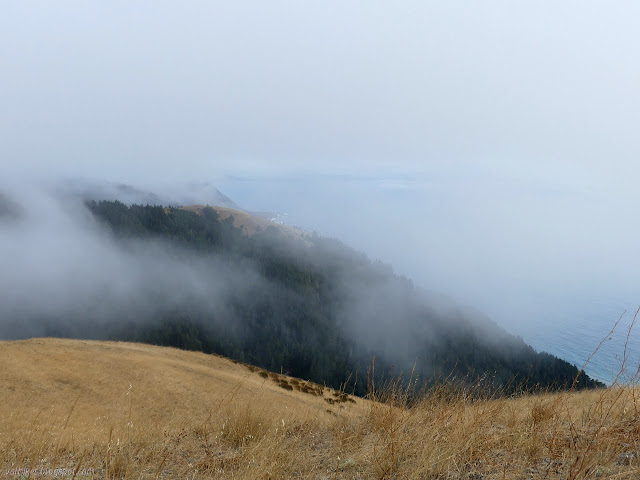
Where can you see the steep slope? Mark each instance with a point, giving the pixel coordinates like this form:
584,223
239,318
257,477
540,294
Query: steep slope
323,311
198,280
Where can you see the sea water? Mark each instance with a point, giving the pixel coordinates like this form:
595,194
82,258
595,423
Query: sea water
496,253
595,332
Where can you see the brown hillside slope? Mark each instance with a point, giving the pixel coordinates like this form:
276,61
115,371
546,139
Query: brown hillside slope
249,224
122,410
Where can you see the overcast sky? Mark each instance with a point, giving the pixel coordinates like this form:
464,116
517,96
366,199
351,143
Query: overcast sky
545,91
499,138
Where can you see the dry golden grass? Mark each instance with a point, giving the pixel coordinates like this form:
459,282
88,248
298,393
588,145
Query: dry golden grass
249,224
127,410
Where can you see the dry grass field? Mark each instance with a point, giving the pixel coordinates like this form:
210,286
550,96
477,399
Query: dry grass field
81,409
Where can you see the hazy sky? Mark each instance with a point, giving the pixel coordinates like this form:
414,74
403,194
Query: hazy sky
543,91
499,138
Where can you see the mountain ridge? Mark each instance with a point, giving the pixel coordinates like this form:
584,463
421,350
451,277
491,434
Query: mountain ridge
207,278
332,292
189,193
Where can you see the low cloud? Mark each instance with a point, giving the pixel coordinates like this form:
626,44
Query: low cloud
59,263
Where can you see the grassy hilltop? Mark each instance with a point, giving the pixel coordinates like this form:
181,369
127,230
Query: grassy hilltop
124,410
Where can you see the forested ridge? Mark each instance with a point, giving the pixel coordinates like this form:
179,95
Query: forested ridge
310,307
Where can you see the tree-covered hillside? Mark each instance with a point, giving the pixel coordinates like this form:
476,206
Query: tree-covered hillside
310,307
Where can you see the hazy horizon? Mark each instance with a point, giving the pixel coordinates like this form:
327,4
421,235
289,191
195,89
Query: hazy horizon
486,150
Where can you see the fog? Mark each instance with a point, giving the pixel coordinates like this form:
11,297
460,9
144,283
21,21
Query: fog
60,265
555,265
487,150
66,272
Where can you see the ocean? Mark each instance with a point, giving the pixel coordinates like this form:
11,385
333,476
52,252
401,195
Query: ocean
581,333
551,267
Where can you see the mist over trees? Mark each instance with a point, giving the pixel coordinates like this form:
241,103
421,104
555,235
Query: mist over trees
310,306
